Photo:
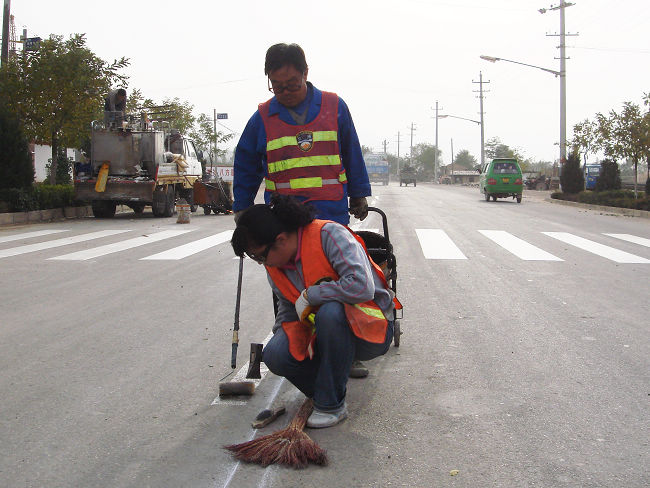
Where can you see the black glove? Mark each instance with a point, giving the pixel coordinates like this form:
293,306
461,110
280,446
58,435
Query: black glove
359,207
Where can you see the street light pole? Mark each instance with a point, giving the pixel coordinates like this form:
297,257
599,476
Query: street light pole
561,73
435,152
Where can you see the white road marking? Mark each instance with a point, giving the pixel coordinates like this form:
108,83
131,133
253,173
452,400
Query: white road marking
518,247
29,235
607,252
14,251
630,238
119,246
436,244
186,250
241,376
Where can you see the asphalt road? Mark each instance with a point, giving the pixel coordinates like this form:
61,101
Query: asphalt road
525,358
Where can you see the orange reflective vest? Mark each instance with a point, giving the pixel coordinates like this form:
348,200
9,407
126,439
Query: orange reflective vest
366,320
304,160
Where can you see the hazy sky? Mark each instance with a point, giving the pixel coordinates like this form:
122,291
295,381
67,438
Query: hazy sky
389,60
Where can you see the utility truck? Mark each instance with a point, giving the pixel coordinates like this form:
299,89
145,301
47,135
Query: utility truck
137,163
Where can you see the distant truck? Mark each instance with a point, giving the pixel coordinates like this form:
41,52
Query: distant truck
377,167
407,175
137,165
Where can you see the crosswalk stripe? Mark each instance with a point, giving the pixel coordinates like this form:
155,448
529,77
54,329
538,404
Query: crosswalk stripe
29,235
119,246
15,251
630,238
518,247
607,252
186,250
436,244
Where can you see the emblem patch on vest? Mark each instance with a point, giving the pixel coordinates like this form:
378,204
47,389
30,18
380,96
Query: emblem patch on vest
305,140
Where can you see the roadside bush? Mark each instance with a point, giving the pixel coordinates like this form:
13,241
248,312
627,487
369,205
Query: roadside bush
610,176
63,169
614,198
572,178
37,197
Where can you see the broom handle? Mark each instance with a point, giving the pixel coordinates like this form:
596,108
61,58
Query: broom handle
235,329
300,419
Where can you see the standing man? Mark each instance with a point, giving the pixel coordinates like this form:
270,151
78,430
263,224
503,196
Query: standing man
302,142
115,101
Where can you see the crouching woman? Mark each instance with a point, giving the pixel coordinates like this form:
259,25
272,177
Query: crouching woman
334,303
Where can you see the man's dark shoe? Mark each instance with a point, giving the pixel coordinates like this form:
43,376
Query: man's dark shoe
358,370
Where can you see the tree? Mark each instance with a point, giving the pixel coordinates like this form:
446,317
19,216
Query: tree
58,90
609,177
365,150
631,131
204,135
494,148
465,159
423,158
16,169
572,177
584,137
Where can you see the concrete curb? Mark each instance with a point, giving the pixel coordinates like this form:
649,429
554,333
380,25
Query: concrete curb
628,212
48,215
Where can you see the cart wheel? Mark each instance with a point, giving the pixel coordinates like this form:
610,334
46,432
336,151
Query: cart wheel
397,332
206,210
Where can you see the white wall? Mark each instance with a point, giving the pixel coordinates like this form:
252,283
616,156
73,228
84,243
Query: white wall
41,156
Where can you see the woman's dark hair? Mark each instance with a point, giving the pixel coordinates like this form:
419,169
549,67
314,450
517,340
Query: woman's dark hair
282,54
261,224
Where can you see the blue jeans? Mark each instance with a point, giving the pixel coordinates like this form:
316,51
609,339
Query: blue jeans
325,377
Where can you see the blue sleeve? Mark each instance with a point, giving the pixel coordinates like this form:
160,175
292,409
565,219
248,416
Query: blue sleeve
249,163
351,156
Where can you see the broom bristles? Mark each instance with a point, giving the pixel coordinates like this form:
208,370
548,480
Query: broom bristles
289,446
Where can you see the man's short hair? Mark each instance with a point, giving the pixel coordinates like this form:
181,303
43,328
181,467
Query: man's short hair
282,54
121,92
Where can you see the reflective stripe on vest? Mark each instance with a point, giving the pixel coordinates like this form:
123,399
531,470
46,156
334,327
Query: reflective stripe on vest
302,183
295,163
319,136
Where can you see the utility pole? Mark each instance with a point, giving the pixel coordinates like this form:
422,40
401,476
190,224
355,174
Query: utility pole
398,141
411,154
452,160
563,59
385,143
5,33
435,152
480,97
214,153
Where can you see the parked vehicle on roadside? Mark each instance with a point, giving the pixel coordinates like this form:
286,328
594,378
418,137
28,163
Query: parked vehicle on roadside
137,165
501,178
591,175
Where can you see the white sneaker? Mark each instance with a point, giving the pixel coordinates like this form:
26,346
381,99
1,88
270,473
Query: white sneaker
321,420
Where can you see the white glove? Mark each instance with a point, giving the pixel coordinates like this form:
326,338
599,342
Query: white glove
303,308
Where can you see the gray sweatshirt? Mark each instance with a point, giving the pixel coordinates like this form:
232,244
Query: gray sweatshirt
357,281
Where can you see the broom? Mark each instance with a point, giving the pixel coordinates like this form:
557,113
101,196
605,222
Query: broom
289,446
